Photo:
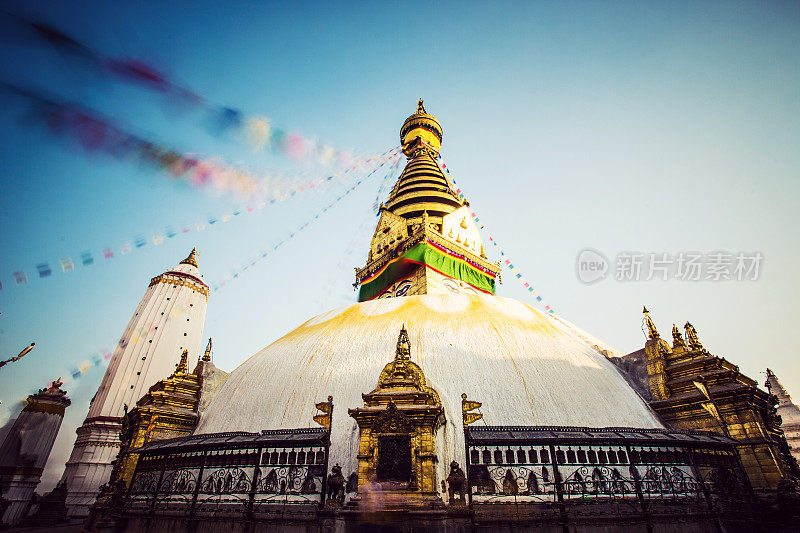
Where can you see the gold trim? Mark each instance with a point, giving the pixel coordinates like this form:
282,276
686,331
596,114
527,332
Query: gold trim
174,280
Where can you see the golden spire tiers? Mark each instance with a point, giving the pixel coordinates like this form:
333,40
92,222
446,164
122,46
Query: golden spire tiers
426,241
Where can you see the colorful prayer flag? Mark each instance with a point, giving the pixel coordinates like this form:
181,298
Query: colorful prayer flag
66,264
87,259
20,277
44,270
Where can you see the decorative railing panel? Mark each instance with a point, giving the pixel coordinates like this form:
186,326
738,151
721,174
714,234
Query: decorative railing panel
545,464
230,474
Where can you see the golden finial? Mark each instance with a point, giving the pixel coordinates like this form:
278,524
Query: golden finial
652,332
207,355
181,369
192,259
403,345
678,344
691,336
421,132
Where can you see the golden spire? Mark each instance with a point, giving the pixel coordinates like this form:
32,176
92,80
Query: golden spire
207,355
403,345
678,344
691,336
192,259
182,366
652,332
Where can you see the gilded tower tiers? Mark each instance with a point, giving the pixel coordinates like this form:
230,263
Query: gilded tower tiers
425,241
693,389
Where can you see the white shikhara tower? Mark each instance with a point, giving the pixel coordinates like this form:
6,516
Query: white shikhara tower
168,320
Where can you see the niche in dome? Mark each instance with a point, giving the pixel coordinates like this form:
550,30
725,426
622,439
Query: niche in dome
397,428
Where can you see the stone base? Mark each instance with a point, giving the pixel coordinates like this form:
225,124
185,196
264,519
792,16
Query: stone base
590,517
395,500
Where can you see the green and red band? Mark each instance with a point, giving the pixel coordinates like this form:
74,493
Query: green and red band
437,258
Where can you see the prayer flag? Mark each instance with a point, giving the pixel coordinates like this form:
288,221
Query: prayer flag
125,249
87,259
20,277
44,270
66,264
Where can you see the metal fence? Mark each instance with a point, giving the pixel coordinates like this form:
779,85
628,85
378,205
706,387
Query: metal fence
235,474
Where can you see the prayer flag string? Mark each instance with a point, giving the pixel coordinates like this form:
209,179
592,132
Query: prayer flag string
357,238
258,131
102,357
87,257
95,133
266,252
507,263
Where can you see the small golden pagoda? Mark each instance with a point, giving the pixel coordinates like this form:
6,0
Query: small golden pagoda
397,426
170,408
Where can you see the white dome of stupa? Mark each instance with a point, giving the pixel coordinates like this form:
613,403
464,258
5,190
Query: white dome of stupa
527,368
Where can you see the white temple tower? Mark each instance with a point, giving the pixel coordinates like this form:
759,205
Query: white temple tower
168,320
788,411
26,448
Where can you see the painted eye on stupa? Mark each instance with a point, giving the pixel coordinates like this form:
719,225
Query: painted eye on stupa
403,288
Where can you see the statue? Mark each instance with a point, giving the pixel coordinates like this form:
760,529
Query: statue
510,486
457,482
352,483
336,485
788,501
118,496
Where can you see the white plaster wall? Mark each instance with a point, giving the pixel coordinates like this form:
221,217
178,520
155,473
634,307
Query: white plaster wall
172,318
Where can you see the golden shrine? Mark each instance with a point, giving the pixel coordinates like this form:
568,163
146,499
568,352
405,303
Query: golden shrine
693,389
398,426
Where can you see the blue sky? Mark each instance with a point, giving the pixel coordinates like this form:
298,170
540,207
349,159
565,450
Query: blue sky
616,126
